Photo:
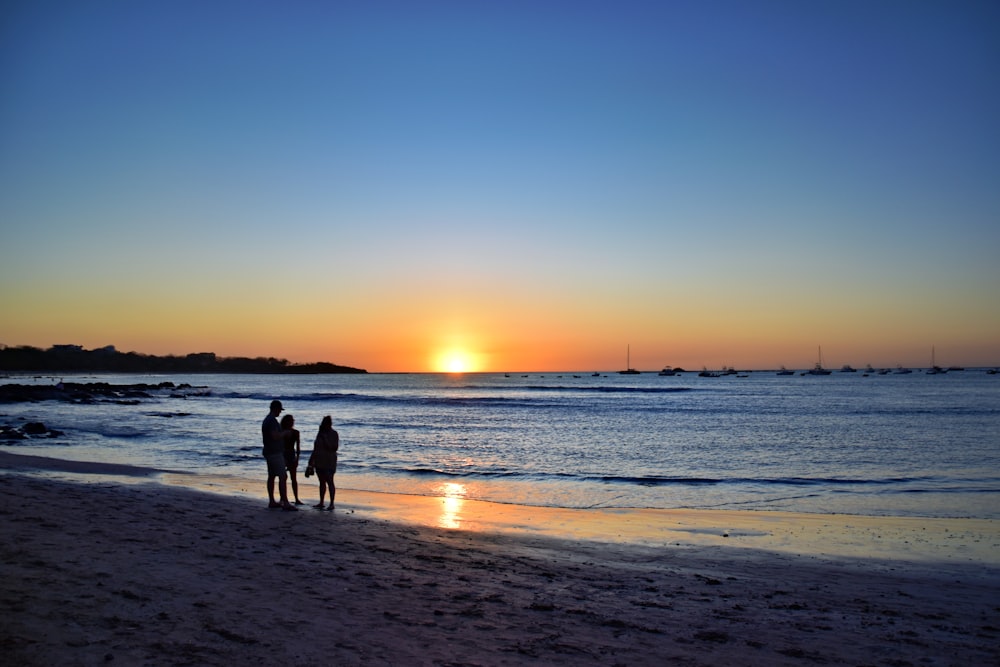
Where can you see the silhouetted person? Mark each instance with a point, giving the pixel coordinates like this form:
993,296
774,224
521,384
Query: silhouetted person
324,459
274,454
293,449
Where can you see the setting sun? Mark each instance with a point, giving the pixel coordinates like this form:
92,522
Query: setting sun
456,361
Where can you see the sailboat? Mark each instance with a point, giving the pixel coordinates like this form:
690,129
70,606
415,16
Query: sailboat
628,363
935,369
818,370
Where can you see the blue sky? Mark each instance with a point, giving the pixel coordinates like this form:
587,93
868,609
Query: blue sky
466,164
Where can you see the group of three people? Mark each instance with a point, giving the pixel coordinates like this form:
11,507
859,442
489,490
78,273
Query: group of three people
282,449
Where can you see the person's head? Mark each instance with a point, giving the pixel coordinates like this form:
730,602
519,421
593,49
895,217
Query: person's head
287,421
326,424
276,407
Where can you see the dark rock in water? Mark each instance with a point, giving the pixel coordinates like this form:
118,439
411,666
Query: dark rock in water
92,392
29,429
9,433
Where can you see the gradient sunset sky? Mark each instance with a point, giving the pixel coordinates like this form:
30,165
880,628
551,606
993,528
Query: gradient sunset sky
526,185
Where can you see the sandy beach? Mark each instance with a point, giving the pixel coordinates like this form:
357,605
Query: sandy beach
118,565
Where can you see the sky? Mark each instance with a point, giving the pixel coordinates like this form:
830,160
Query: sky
504,186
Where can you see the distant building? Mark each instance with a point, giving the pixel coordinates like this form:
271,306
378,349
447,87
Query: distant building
204,359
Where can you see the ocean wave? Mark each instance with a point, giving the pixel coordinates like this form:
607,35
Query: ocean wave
832,483
575,389
423,401
532,403
765,481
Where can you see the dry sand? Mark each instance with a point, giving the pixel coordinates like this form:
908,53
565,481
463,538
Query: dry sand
127,568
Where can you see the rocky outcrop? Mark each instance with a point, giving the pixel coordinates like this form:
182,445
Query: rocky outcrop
29,430
93,392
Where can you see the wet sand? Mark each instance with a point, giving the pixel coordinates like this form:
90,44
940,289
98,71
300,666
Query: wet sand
117,565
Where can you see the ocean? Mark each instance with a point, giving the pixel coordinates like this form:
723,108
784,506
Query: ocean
902,445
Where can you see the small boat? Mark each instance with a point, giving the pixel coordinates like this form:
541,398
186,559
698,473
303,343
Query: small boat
902,371
784,371
818,368
667,370
705,373
846,368
628,363
869,369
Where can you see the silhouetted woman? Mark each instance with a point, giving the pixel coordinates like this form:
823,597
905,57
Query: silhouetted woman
292,451
324,459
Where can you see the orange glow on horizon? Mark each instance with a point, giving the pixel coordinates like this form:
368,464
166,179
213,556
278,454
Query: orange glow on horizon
404,337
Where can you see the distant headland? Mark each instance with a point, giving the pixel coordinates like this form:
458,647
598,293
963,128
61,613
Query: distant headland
73,358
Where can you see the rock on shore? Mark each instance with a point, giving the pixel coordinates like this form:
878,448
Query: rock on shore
90,392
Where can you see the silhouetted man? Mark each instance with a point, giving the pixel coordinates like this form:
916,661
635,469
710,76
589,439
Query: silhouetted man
274,454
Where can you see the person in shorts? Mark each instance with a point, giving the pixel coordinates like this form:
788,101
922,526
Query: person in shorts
274,454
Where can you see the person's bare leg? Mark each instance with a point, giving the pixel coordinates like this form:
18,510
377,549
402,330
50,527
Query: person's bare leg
270,492
295,486
283,490
322,493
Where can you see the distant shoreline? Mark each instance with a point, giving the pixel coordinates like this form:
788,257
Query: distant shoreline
74,359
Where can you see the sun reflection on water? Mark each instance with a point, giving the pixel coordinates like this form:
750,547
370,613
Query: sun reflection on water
452,498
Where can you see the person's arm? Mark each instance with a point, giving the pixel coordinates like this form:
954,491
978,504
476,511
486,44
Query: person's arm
317,443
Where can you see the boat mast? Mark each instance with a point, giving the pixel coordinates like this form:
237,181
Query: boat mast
628,370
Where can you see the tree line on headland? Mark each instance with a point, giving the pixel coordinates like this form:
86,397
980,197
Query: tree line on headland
73,358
